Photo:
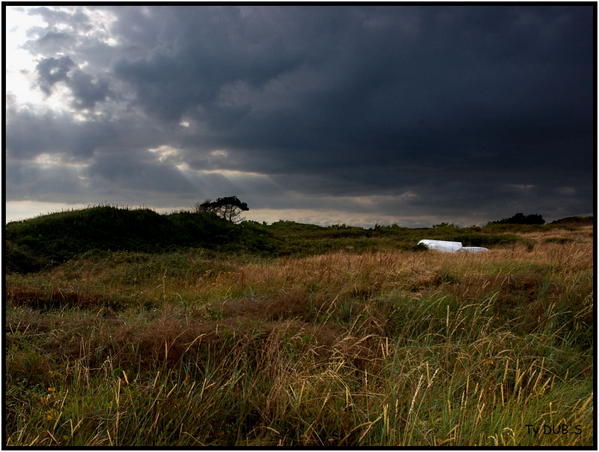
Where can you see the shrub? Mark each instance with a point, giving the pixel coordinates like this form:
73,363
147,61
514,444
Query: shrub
520,218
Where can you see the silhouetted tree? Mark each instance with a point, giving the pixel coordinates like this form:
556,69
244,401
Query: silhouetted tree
228,207
520,218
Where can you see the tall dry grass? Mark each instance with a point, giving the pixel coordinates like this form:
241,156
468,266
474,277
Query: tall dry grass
342,349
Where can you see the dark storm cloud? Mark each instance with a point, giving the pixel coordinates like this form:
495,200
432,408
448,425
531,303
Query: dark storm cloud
87,90
481,109
459,82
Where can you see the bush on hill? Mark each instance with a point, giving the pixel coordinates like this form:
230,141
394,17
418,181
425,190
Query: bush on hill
520,218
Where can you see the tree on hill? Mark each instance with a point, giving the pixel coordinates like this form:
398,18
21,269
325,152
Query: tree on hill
520,218
228,207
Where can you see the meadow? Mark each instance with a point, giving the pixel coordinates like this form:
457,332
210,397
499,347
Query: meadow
297,335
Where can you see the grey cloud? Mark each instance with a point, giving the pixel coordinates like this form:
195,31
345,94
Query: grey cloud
55,133
29,180
454,103
54,41
86,89
53,70
74,17
402,100
63,30
131,169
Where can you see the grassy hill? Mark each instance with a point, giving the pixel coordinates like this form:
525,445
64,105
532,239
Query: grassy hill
49,240
574,221
52,239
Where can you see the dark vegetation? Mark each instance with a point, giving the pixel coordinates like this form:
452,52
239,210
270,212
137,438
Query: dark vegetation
520,218
53,239
576,221
49,240
228,208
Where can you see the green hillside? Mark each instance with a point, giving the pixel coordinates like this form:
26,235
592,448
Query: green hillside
49,240
55,238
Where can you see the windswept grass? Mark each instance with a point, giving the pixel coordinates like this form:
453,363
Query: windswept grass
386,347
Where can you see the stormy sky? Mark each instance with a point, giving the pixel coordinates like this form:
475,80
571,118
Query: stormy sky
323,114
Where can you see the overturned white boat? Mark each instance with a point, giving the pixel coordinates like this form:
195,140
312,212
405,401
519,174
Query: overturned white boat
446,246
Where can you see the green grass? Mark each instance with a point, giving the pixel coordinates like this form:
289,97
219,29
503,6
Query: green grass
374,345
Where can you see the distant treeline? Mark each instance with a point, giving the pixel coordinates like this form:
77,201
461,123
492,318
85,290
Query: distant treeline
520,218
